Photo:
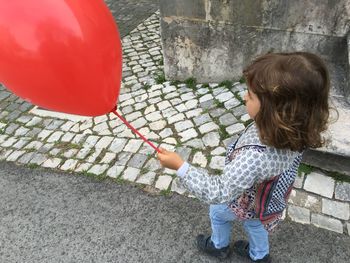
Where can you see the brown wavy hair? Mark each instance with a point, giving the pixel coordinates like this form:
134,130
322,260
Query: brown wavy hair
293,90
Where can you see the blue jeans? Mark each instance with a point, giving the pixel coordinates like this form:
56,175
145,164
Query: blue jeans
221,217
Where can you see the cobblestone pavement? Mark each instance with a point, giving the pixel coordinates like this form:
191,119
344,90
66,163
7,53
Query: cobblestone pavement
130,13
196,120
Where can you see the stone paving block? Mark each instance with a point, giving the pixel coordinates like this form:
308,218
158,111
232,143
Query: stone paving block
9,142
299,214
108,157
188,134
235,128
147,178
137,161
117,145
130,174
320,184
187,96
133,116
4,153
104,142
82,167
150,109
14,156
67,125
158,125
195,143
201,119
54,137
217,112
69,165
21,131
70,153
98,169
166,133
181,107
208,127
245,117
176,118
33,132
94,157
87,124
11,128
46,147
79,138
82,153
54,124
205,98
211,139
44,134
342,191
3,138
133,145
232,103
191,104
21,143
54,152
123,158
67,137
218,151
227,119
193,113
175,101
163,105
327,223
38,158
336,209
200,159
52,163
225,96
115,171
152,165
154,116
163,182
239,110
75,128
140,122
183,125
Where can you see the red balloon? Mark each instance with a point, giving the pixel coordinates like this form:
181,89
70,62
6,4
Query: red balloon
61,55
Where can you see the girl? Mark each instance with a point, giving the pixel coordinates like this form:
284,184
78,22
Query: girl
288,100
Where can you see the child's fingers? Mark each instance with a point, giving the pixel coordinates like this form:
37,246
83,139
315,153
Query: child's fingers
162,150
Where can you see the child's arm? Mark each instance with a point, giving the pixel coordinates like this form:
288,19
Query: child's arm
248,166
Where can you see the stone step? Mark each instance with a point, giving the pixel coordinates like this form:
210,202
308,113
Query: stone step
335,156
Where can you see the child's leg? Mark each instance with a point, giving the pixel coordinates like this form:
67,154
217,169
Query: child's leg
221,217
258,238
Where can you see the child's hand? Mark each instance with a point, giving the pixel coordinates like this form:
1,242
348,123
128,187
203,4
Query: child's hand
169,160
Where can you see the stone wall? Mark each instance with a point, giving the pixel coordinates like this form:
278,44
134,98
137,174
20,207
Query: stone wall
322,201
212,40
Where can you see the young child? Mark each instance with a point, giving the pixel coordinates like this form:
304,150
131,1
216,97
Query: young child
288,100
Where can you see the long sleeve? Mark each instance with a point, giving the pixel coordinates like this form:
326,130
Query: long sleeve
249,165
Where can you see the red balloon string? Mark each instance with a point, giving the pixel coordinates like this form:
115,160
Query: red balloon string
135,131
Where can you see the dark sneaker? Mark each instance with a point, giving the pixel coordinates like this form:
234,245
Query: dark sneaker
241,247
205,244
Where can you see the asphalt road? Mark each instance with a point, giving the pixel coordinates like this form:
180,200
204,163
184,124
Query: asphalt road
56,217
